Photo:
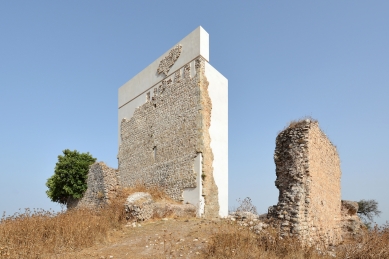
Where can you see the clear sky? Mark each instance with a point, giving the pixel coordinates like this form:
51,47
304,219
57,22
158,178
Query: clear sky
62,62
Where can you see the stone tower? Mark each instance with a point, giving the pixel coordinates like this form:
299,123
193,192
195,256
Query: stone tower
173,127
308,180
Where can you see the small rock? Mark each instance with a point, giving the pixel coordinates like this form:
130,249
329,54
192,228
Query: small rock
164,219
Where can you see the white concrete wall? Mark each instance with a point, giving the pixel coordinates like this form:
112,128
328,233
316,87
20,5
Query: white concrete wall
218,91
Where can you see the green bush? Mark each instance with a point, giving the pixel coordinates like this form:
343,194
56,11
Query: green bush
70,174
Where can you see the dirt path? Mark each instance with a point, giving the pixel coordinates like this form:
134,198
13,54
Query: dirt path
172,238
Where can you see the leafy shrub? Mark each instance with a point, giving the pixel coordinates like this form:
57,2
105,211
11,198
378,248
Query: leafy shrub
70,174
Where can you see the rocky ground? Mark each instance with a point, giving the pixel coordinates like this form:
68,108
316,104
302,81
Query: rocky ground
185,236
174,238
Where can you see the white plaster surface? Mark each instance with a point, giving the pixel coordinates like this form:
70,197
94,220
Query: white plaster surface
218,92
193,195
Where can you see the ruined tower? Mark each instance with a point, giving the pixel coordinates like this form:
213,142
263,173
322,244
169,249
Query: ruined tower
173,127
308,180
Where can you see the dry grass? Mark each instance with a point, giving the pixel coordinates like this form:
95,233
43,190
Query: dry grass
233,241
46,234
34,233
374,244
299,122
41,233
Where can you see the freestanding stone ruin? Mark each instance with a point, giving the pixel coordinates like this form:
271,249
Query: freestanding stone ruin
308,179
102,185
173,127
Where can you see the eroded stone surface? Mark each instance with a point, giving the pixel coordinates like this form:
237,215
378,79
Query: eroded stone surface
163,137
164,209
308,179
139,206
351,224
102,186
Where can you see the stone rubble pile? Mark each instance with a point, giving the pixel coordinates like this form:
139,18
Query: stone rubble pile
140,206
351,224
247,219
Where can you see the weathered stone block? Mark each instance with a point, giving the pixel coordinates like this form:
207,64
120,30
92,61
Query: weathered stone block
139,206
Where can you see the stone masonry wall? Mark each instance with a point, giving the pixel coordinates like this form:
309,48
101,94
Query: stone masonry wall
102,185
308,179
164,135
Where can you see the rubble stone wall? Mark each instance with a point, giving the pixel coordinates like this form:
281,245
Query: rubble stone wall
163,137
351,224
102,186
308,179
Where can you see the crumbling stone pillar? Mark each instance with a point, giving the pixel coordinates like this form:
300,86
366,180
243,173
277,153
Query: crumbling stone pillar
308,179
102,185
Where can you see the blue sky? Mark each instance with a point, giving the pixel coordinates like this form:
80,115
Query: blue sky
62,62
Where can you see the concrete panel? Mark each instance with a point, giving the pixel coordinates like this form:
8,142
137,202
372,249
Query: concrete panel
218,92
194,45
193,195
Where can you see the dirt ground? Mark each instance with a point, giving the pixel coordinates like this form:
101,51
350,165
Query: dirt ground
171,238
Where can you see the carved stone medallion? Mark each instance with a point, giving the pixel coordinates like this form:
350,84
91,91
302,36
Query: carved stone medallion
167,62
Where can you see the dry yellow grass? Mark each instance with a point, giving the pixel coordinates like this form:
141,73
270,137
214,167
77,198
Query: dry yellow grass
233,241
45,234
40,233
34,233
